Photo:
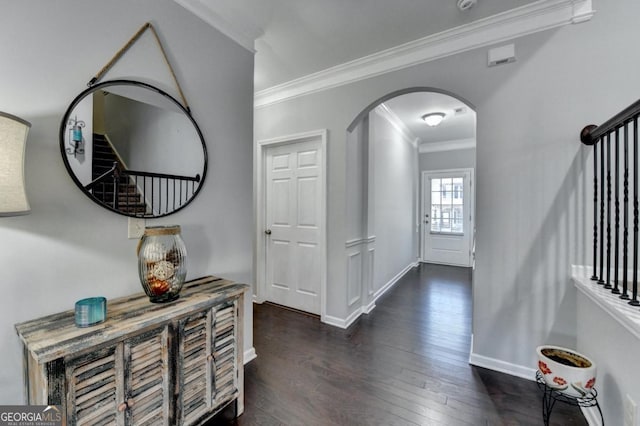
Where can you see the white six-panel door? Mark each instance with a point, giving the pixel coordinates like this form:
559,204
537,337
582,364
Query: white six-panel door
293,202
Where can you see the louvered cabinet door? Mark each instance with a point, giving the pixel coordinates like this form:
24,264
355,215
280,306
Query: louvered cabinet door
194,382
172,364
147,400
94,388
225,353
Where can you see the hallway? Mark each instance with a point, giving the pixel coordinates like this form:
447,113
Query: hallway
405,363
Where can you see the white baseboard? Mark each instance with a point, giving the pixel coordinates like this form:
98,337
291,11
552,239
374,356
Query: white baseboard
370,307
346,322
250,355
393,281
334,321
342,323
257,300
502,366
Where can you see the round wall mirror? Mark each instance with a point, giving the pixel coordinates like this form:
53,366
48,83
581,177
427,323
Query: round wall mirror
133,149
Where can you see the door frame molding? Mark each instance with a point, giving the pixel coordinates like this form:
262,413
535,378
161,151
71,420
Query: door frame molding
260,239
472,207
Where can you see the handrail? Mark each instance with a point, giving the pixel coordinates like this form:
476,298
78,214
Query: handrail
591,133
108,173
111,171
196,178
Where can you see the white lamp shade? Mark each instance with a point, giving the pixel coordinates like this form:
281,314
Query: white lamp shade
13,138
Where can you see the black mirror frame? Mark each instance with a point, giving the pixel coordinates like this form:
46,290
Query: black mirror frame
93,88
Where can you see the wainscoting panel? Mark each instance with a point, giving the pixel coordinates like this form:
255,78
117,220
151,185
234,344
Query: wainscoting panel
371,257
354,277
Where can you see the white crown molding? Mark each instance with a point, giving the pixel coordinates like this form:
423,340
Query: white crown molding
534,17
226,23
582,11
386,113
450,145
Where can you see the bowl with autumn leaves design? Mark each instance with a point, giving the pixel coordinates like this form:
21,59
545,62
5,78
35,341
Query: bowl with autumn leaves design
566,370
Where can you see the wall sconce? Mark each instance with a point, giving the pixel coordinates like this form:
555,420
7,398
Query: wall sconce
76,140
13,139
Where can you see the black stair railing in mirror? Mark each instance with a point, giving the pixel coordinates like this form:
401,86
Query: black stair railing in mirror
610,140
142,194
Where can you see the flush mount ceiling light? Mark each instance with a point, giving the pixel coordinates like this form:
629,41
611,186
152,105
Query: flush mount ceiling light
434,118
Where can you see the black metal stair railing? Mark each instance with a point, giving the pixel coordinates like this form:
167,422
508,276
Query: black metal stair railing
142,193
616,133
167,192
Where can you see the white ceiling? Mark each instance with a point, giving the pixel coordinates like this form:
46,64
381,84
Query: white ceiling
457,128
295,38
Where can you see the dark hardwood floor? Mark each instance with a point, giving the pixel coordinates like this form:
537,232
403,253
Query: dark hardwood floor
405,363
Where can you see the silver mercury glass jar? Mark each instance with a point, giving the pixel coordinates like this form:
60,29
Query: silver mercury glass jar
162,263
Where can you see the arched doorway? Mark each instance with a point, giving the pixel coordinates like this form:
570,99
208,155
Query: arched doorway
406,184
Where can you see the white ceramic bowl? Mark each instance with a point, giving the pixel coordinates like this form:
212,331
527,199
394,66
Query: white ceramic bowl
566,370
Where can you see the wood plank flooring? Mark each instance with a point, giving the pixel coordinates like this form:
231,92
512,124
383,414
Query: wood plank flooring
406,363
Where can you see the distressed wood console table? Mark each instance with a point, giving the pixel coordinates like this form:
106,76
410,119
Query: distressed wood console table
177,363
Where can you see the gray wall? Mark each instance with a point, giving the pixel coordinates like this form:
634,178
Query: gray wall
532,199
442,160
396,174
153,138
381,200
68,247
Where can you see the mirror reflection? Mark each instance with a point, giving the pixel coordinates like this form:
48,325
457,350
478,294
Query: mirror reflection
133,149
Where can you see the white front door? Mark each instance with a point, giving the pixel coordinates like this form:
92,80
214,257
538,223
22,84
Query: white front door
447,217
294,188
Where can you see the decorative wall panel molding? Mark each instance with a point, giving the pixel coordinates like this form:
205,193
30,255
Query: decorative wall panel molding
359,241
354,277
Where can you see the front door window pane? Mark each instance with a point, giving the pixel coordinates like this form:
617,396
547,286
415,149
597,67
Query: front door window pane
447,205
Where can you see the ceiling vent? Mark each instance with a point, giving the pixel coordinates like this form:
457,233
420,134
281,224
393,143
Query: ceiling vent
466,4
501,55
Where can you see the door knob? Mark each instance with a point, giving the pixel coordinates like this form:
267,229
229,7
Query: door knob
268,232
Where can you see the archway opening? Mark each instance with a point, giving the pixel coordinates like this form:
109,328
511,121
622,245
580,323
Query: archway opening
409,189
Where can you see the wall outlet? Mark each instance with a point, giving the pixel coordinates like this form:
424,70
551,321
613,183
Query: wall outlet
630,412
136,228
